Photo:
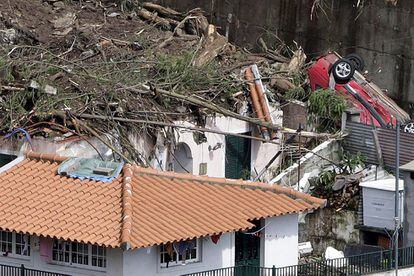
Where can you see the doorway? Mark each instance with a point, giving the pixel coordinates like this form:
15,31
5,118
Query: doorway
247,251
238,159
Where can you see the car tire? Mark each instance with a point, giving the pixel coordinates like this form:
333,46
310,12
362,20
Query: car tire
343,70
409,128
357,60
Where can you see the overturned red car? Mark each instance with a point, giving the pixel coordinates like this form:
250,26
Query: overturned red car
343,75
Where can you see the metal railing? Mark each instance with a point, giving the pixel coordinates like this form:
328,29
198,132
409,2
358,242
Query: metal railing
9,270
354,265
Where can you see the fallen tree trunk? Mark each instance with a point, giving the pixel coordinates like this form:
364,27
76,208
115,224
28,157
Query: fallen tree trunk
213,107
163,23
127,120
166,12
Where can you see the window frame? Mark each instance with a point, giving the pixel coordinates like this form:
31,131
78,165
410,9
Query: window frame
177,261
89,255
13,242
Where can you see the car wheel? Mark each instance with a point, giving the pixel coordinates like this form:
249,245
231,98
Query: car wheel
357,60
409,128
343,70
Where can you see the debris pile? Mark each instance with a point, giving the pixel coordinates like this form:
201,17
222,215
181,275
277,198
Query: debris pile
340,183
96,68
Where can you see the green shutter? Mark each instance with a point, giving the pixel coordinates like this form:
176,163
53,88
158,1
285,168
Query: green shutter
237,157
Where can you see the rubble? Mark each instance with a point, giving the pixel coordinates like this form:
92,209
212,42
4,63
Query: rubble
145,64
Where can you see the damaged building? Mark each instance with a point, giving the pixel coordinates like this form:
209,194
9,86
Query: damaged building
137,140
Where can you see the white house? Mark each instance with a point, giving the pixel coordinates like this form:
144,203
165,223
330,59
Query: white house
67,216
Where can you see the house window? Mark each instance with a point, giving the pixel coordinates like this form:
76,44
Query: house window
14,244
180,253
98,256
76,254
22,244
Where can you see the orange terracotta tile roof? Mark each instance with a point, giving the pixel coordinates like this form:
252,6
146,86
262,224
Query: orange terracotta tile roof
142,207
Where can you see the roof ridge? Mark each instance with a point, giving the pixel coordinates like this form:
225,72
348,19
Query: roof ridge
235,182
126,226
45,156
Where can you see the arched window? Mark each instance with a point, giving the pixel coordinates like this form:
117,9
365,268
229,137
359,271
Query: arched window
183,159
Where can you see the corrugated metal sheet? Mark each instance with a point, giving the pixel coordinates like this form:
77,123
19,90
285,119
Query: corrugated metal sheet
387,142
361,139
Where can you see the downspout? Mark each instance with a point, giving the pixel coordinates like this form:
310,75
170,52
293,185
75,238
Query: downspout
397,195
262,97
255,100
126,207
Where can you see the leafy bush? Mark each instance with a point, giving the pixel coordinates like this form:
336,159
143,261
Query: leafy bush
326,108
326,103
322,185
351,162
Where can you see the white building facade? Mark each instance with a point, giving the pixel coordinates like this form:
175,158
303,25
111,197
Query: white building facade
278,247
208,157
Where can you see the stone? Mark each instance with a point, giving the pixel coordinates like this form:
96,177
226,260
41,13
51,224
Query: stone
50,90
8,36
59,5
34,85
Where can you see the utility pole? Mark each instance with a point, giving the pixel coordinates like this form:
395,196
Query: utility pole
300,154
397,196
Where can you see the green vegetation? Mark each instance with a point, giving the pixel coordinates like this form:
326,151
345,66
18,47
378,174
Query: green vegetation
326,108
297,93
351,162
177,73
322,185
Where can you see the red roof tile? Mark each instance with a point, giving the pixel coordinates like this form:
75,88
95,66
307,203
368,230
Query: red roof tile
142,207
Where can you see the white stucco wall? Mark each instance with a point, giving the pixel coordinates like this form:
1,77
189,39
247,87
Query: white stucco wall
261,152
279,247
144,262
280,242
114,263
401,272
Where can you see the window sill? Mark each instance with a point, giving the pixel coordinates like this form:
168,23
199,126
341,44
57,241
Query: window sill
15,260
180,269
179,264
14,257
78,266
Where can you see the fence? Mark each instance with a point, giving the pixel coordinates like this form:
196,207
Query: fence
8,270
354,265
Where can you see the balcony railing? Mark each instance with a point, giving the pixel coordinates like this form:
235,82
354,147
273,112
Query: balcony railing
354,265
8,270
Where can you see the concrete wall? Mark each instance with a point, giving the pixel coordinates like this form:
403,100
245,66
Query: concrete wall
328,227
401,272
408,226
280,241
143,262
310,165
380,32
